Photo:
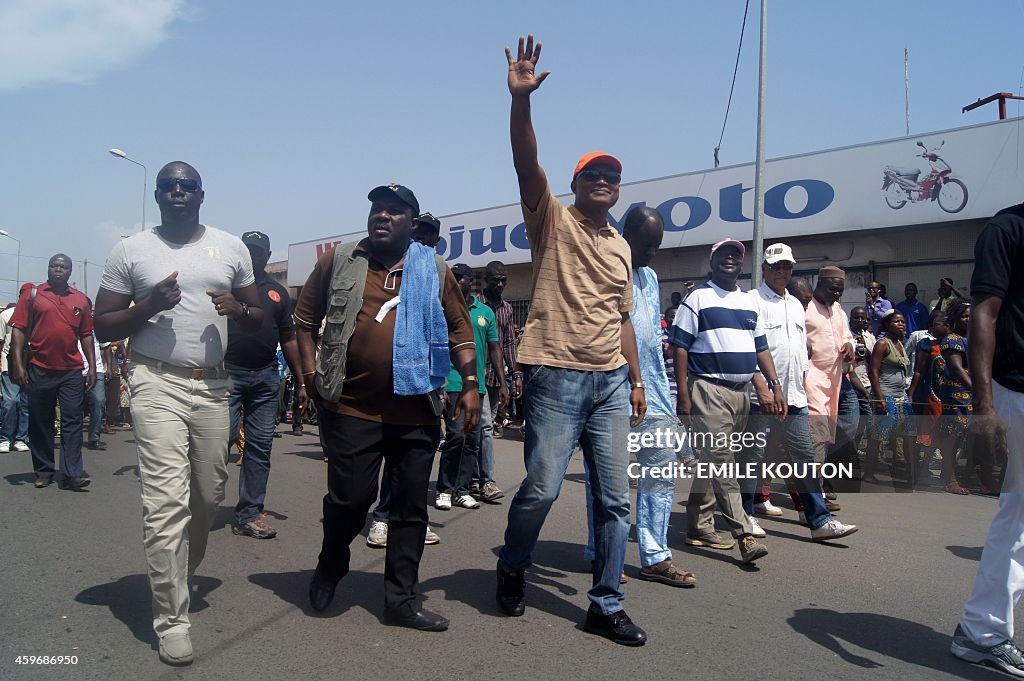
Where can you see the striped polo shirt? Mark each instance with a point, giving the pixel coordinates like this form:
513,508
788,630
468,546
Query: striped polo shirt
722,332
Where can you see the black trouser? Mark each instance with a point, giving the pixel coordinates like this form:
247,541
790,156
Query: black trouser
459,452
45,388
355,449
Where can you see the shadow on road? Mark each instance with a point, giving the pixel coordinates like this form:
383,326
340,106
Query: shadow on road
17,479
357,589
966,552
129,601
123,470
475,588
892,637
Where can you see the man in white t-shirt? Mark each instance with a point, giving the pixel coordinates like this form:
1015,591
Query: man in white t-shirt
185,279
14,407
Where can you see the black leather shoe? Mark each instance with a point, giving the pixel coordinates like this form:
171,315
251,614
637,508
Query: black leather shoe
424,620
510,592
617,627
321,590
74,484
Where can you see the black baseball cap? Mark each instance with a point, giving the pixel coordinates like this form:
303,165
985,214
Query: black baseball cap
256,239
429,220
462,270
403,194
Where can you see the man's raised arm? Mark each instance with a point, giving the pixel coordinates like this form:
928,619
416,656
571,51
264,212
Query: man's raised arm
522,81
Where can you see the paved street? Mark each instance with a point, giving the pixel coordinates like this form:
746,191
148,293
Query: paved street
879,606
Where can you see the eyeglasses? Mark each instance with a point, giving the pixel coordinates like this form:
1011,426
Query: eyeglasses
168,184
610,176
783,266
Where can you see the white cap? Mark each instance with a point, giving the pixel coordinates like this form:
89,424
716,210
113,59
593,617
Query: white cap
777,253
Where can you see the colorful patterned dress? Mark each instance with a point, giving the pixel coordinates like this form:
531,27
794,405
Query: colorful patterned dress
955,395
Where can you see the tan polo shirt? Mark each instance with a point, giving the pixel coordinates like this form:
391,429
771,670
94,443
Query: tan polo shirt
582,284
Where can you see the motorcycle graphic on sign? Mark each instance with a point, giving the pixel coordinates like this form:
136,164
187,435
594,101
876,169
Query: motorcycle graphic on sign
900,184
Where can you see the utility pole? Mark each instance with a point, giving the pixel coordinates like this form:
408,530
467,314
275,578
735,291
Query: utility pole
762,77
906,85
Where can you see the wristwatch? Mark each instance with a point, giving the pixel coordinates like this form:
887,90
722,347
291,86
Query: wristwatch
472,378
774,382
638,384
246,311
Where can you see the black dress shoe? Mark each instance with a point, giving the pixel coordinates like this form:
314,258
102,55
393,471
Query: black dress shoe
424,620
74,484
97,446
321,590
617,627
510,593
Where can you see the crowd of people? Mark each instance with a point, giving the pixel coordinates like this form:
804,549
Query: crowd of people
389,344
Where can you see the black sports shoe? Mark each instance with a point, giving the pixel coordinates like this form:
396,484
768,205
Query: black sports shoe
510,592
617,627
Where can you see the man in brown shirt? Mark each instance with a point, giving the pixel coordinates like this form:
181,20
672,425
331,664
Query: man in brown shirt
368,422
576,347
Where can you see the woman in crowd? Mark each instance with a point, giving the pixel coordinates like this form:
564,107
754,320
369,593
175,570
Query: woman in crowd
924,389
955,393
889,372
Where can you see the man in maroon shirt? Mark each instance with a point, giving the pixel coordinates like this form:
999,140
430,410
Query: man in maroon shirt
59,316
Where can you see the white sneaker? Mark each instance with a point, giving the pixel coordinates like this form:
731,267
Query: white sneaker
767,508
466,501
19,446
5,447
176,649
377,537
431,537
758,530
833,529
443,501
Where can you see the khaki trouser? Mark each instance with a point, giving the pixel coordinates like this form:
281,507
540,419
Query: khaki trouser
717,409
181,433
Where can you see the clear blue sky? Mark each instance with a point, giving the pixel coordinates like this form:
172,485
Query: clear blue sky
293,111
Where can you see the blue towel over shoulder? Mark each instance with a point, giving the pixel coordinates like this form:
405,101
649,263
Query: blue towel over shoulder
421,358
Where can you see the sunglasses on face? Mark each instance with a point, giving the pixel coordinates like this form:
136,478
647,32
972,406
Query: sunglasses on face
168,185
610,176
781,267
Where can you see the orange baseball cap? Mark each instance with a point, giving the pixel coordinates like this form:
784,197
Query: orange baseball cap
596,157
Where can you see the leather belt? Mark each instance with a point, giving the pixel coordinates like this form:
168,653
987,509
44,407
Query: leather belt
739,387
182,372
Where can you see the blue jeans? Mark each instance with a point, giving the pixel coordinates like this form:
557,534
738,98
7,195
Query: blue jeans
844,449
96,405
254,393
654,496
13,412
484,472
564,406
794,433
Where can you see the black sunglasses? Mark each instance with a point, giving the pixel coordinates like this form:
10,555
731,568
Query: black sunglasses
775,267
168,184
610,176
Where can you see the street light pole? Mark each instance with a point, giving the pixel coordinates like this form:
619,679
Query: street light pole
17,288
145,180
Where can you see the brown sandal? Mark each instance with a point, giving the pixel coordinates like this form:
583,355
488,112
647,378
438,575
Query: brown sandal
667,573
954,487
